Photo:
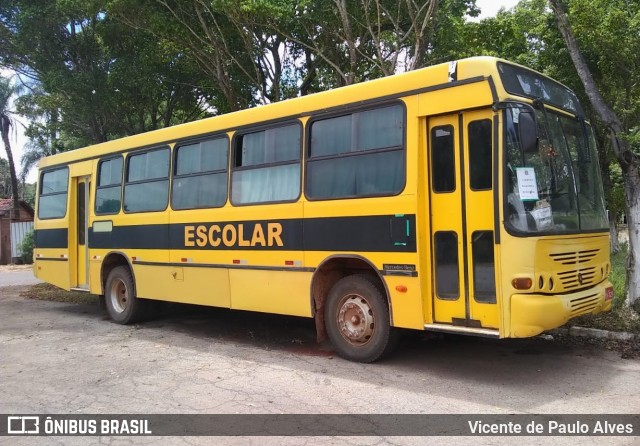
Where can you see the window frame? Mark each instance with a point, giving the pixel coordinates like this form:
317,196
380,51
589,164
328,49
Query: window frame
351,111
125,173
95,204
40,194
261,128
174,166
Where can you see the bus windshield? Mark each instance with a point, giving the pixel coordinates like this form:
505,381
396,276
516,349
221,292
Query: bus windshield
554,188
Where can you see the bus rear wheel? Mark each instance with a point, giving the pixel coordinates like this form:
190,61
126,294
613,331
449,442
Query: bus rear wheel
357,320
122,304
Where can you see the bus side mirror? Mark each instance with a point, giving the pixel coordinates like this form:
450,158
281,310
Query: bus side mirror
528,132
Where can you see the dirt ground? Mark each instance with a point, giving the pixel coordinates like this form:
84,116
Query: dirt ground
14,268
67,357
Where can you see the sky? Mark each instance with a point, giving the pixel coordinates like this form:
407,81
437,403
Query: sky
488,8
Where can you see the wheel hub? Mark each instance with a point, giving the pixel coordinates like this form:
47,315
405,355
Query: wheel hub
355,319
119,296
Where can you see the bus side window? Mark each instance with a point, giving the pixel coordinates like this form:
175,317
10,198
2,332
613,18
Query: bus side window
53,194
200,175
267,165
109,190
357,155
147,181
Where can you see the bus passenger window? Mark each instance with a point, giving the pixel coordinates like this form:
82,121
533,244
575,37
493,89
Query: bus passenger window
109,186
267,166
147,181
480,156
200,175
443,161
357,155
53,194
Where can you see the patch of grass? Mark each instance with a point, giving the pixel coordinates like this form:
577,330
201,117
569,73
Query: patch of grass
45,291
621,317
618,277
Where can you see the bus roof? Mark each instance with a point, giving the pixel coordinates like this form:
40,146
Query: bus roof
390,86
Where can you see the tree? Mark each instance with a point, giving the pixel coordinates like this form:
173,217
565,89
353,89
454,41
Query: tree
97,79
206,34
5,179
8,91
626,19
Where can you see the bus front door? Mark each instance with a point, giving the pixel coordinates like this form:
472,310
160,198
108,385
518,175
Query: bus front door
460,157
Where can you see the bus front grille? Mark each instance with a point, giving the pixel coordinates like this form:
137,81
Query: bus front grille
583,305
577,278
575,257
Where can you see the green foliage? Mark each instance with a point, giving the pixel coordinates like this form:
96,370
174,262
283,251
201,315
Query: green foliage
615,200
8,92
29,194
5,179
97,79
26,247
621,317
607,32
618,276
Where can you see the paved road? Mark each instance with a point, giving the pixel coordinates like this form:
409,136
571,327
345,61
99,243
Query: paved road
17,275
68,358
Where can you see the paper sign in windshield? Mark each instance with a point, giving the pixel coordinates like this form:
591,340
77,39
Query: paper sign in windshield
543,217
527,186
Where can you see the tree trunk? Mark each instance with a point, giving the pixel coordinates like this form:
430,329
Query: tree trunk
629,162
632,199
350,77
613,233
6,125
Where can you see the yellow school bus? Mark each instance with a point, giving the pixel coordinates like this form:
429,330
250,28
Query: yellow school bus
465,197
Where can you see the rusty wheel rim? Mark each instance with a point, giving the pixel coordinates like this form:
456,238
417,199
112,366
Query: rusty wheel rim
355,319
119,295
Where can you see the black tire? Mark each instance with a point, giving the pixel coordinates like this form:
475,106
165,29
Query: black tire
357,320
122,304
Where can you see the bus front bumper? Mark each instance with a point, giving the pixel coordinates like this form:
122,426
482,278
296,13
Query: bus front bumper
531,314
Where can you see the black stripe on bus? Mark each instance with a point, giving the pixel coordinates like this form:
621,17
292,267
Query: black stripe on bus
380,233
51,238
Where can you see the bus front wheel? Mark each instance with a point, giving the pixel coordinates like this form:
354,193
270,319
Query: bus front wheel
122,304
357,320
